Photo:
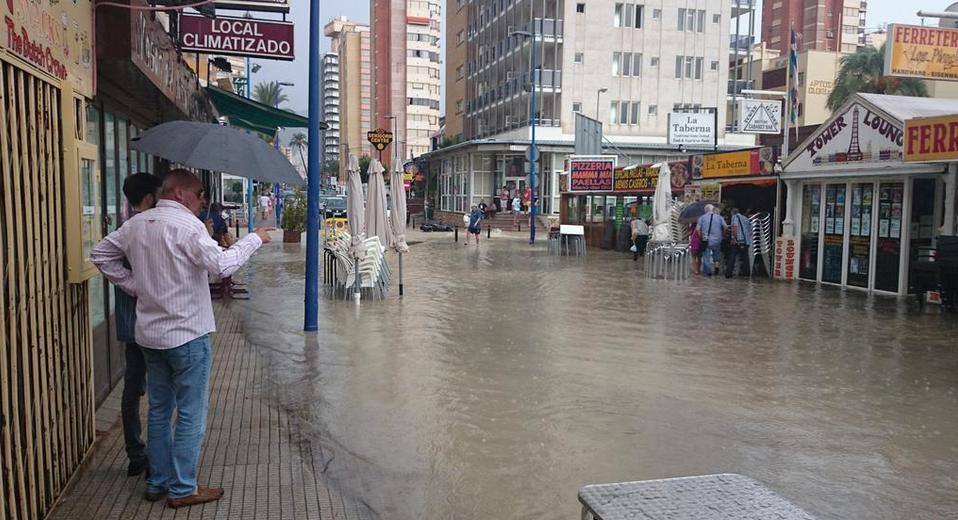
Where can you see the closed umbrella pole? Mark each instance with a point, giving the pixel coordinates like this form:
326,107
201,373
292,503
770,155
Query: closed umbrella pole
662,204
398,193
355,216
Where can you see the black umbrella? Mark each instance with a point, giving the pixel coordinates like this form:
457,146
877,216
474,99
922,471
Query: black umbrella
695,210
218,148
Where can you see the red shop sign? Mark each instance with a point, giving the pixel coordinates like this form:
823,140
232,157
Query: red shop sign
237,36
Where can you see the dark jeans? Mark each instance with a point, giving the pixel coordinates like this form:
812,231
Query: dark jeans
640,242
134,386
735,253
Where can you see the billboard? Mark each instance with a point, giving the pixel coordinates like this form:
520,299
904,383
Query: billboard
591,174
692,129
922,52
760,116
270,6
931,139
237,36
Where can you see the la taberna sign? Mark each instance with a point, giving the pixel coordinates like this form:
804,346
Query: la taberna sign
858,135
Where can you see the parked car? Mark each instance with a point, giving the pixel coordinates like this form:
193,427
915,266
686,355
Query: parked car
431,225
333,207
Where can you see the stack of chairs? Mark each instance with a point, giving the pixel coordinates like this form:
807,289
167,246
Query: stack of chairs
340,269
761,241
668,260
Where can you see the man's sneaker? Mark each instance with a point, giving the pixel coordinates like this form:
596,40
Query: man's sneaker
202,496
137,467
153,497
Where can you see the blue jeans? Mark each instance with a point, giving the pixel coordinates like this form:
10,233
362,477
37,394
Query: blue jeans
177,378
713,253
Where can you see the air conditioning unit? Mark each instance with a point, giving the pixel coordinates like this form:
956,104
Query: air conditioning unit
830,34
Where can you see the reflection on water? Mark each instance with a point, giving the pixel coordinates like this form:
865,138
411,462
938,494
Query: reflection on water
506,379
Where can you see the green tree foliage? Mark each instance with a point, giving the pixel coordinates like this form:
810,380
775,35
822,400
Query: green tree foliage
862,72
270,93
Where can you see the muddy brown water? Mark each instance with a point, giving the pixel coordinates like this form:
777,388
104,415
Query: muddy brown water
506,379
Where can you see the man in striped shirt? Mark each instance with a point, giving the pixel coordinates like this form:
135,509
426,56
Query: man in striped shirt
171,255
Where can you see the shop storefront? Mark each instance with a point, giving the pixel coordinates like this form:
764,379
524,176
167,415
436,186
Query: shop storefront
857,214
742,179
606,203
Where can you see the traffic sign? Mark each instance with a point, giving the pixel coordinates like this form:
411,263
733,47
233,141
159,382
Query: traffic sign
532,153
379,138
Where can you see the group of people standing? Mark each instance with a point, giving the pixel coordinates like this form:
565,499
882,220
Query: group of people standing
160,261
714,239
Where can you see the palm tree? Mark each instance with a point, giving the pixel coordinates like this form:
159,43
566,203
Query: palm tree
270,93
299,142
862,72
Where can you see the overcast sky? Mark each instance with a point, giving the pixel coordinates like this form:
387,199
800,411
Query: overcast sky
879,12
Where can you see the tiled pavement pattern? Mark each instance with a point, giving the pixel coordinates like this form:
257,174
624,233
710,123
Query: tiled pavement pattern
251,449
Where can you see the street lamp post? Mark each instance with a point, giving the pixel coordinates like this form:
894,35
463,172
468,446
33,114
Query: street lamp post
597,94
313,179
533,154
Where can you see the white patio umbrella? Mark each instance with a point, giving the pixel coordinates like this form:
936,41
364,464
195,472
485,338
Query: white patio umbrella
662,205
398,218
355,216
377,218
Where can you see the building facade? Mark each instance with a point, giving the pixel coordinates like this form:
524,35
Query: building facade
406,65
352,40
331,102
829,25
629,65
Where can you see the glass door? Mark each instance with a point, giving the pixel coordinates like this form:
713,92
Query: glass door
811,215
859,250
923,224
833,247
888,256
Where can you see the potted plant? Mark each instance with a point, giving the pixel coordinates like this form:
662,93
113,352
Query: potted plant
293,220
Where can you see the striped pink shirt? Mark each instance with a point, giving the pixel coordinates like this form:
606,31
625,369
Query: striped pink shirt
171,255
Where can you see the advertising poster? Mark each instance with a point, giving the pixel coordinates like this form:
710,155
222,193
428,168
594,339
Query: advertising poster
591,175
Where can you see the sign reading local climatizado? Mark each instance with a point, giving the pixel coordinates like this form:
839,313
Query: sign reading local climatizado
858,134
691,129
922,52
757,116
237,36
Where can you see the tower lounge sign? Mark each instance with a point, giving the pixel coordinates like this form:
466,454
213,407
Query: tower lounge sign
857,135
237,36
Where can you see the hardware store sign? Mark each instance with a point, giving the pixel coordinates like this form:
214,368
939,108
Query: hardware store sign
922,52
237,36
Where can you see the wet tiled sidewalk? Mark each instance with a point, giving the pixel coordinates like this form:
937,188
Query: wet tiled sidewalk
251,449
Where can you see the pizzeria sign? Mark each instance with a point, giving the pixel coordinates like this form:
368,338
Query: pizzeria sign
237,36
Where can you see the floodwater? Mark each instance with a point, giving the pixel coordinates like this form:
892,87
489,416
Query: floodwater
506,379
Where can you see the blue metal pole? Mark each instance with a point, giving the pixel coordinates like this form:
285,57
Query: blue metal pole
535,155
313,173
249,182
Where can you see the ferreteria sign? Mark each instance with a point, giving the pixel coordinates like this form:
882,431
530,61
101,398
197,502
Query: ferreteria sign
931,139
922,52
237,36
379,138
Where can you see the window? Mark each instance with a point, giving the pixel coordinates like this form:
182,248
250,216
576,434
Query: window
613,111
461,37
627,64
580,7
681,26
656,14
577,107
653,110
623,112
635,112
639,12
616,63
701,26
654,62
690,22
801,79
716,18
578,57
715,65
459,71
689,63
619,16
678,66
698,67
629,15
636,63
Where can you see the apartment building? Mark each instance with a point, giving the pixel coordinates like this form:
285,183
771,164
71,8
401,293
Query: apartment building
406,67
352,41
331,100
825,25
627,64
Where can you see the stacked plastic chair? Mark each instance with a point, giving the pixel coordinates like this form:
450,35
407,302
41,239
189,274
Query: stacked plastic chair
341,268
761,240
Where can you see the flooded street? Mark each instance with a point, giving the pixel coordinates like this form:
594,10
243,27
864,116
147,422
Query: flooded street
506,379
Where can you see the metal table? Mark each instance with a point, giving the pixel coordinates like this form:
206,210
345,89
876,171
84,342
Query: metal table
724,496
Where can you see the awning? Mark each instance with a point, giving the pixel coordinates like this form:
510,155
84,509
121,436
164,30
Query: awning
253,115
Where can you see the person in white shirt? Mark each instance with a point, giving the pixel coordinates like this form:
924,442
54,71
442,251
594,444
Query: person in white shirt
171,255
640,237
264,205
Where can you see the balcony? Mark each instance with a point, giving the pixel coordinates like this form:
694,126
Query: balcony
735,87
548,29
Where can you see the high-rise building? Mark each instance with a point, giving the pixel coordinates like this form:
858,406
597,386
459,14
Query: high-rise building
625,63
331,102
351,41
406,66
825,25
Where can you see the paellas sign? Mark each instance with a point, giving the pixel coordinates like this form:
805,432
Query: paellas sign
645,177
922,52
858,135
931,139
237,36
54,37
591,174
